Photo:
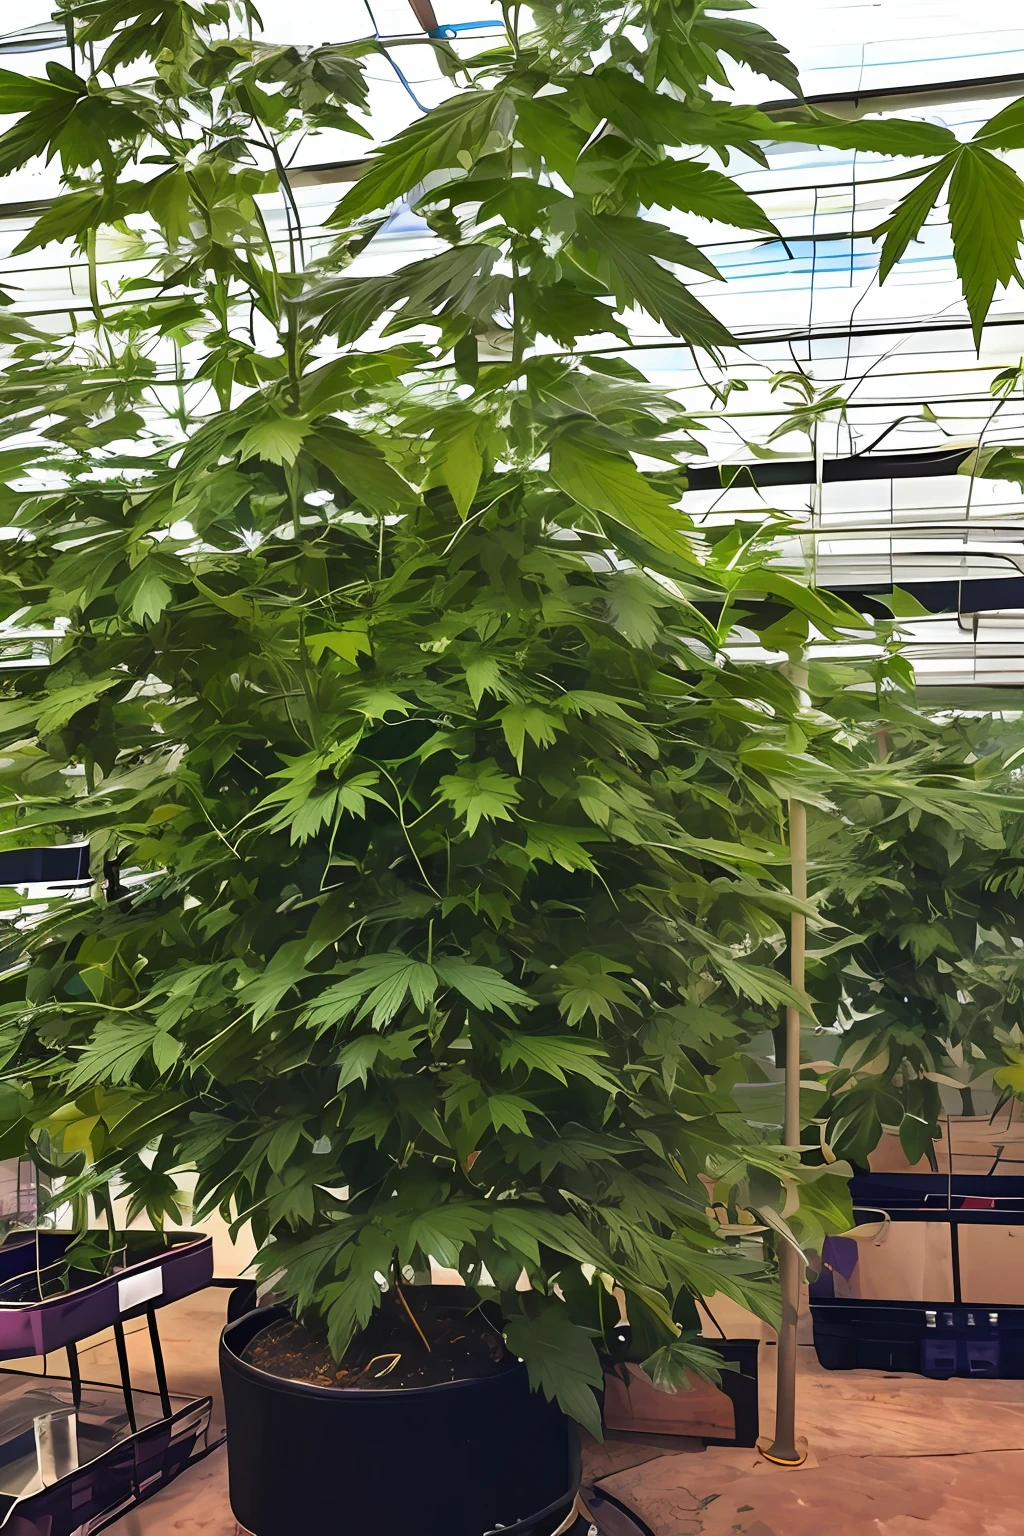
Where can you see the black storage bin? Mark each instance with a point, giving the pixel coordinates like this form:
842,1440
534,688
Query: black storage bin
963,1323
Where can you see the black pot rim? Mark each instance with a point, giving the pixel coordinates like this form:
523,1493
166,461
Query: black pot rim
309,1389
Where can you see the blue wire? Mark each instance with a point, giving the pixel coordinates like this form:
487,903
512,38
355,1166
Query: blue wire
453,28
391,61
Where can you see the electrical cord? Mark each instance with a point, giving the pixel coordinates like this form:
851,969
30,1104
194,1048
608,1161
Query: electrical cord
453,28
393,62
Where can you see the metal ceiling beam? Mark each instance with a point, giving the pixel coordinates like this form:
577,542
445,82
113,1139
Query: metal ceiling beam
985,88
879,466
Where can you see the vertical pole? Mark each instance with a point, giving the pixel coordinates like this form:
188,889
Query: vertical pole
784,1448
75,1375
423,10
126,1379
158,1361
797,953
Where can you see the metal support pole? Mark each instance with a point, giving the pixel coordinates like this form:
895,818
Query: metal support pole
423,10
75,1375
126,1379
158,1361
784,1448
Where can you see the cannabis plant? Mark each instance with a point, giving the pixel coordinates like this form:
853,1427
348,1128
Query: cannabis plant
438,844
924,972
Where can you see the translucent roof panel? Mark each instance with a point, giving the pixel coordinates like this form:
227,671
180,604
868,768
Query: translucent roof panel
909,380
849,46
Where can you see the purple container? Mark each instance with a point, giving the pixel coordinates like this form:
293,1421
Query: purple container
156,1269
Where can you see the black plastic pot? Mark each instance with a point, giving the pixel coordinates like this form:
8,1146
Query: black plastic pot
466,1458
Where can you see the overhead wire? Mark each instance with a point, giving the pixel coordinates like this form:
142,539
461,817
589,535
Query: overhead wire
379,36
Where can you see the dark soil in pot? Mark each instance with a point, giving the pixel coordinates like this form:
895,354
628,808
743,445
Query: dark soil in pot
408,1343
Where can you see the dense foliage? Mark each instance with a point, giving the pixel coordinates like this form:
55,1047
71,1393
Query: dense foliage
439,846
926,974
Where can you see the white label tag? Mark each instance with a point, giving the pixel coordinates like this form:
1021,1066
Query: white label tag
133,1290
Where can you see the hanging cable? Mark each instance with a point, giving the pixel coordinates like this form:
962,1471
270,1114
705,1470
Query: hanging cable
393,62
452,29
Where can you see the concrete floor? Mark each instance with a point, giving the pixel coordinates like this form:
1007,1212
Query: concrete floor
890,1455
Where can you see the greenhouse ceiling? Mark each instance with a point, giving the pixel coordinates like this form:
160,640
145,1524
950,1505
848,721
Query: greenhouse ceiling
881,488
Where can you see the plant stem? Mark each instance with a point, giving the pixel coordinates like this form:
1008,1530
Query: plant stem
409,1313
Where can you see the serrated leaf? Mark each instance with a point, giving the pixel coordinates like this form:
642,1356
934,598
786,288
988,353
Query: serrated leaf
479,792
607,482
762,985
63,704
378,985
34,134
564,846
904,224
346,643
896,136
286,968
1004,130
306,814
278,439
586,701
305,808
562,311
673,1367
350,305
149,596
283,1143
508,1111
113,1053
923,939
484,675
463,466
356,1058
376,703
432,143
520,721
986,209
441,1233
826,609
695,188
562,1362
358,463
26,93
587,984
546,129
748,44
481,986
556,1056
633,603
68,217
625,250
